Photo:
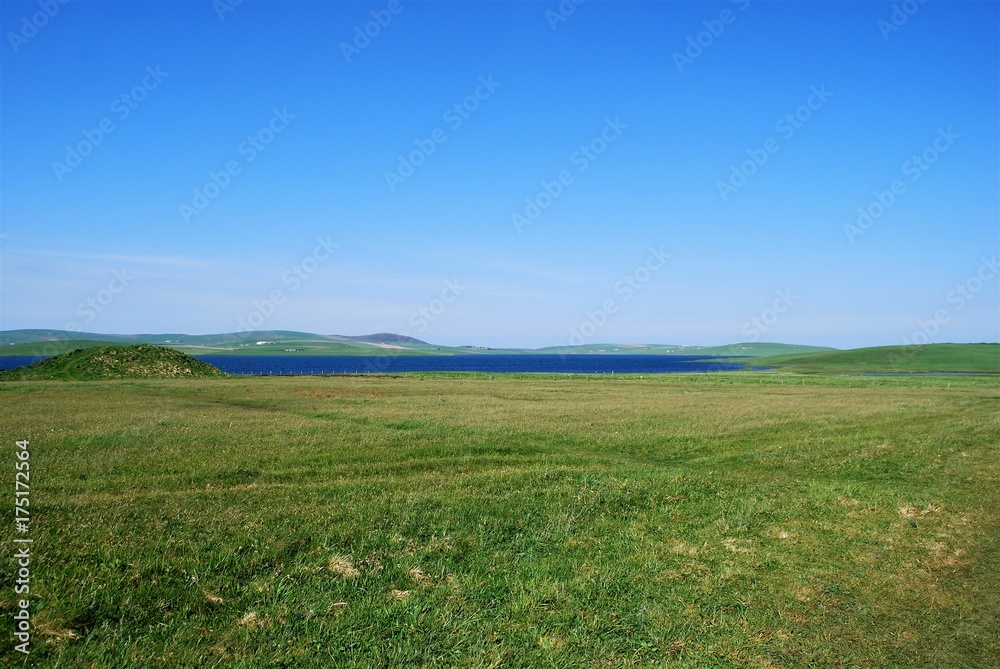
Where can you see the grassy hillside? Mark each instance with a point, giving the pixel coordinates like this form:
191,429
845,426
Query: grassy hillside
34,336
39,335
740,349
893,359
52,347
308,346
54,342
114,362
681,521
285,343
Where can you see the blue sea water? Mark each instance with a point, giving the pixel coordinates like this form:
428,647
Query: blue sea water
492,363
12,361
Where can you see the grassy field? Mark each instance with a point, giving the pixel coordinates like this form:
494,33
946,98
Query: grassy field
973,358
729,520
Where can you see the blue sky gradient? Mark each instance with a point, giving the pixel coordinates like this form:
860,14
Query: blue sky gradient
784,247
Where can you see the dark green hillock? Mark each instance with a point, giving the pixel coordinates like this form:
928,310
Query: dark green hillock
141,361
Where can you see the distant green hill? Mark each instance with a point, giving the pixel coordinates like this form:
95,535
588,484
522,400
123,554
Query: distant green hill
740,349
385,338
50,348
141,361
273,342
39,335
981,358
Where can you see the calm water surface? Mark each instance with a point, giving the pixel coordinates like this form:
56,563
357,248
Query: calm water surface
390,364
498,363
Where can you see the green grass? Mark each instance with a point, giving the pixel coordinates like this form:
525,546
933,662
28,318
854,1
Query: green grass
730,520
114,362
976,358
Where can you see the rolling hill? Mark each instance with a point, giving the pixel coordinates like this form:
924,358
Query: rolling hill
140,361
286,342
931,358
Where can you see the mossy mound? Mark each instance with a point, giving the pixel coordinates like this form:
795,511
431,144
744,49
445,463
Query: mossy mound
141,361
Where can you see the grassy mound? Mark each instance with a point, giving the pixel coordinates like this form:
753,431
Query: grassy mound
982,358
141,361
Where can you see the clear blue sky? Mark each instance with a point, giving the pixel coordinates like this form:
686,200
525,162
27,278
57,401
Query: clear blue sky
779,248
